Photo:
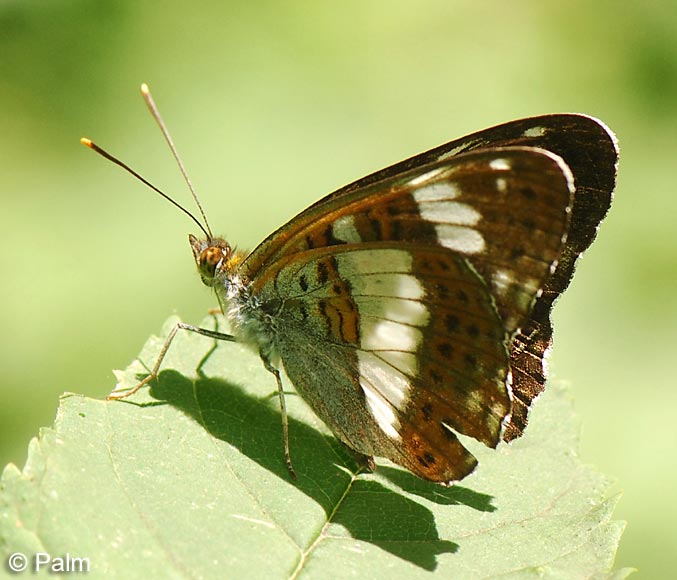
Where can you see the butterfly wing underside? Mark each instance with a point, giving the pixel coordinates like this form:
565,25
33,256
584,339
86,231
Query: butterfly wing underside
589,150
486,227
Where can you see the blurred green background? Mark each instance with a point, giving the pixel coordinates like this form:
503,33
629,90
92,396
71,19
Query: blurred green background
275,104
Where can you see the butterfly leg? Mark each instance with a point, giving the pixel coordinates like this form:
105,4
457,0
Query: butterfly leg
283,410
364,462
163,352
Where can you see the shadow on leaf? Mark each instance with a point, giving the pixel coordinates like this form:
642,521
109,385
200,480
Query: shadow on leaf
370,512
455,495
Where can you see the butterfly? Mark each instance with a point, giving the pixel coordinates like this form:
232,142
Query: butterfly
414,304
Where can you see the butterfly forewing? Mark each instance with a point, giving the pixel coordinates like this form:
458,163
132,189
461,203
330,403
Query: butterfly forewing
590,151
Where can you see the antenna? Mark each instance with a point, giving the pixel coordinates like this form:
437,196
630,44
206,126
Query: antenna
94,147
145,92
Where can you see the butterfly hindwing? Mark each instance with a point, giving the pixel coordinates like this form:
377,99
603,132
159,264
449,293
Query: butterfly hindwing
379,337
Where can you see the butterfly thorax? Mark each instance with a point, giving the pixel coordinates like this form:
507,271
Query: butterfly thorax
218,265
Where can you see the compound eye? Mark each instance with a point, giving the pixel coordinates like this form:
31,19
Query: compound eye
209,260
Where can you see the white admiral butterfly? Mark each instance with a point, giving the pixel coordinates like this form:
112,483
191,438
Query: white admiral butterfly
414,303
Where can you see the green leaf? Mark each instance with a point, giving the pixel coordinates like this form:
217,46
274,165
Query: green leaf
187,480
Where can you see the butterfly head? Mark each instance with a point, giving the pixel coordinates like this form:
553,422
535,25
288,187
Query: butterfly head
214,258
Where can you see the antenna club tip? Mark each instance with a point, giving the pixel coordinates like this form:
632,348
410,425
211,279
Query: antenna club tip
144,89
86,142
